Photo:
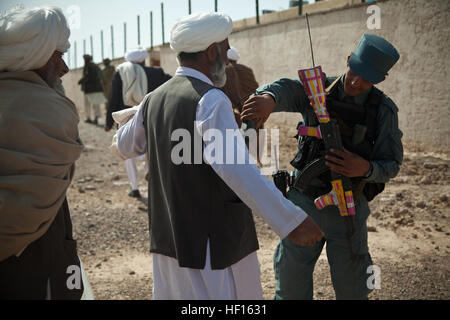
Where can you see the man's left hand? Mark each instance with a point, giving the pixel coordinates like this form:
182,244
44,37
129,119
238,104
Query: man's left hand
347,163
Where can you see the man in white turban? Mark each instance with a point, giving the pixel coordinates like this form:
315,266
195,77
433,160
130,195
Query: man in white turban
39,145
247,80
233,54
132,81
203,237
29,38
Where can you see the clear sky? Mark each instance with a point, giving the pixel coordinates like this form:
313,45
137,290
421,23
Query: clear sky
87,18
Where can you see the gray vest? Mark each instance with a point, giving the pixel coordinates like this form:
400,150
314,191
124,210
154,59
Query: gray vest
189,203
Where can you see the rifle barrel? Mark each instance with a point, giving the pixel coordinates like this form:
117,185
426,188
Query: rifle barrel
310,41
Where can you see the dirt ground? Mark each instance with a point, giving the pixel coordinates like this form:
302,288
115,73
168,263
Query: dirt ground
408,239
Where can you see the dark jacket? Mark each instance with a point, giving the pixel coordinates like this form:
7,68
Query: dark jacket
52,258
155,78
92,77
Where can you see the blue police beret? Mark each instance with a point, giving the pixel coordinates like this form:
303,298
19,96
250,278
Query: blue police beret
373,58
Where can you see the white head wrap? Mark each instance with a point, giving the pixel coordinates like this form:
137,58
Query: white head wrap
233,54
29,37
198,31
136,55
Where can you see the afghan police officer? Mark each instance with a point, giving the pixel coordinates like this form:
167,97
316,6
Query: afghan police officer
372,155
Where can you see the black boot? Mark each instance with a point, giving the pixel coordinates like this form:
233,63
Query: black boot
134,194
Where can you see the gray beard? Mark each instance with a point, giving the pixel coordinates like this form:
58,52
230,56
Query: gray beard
218,74
49,76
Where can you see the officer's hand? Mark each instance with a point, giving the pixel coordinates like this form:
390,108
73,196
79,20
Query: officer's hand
107,128
346,163
258,108
307,233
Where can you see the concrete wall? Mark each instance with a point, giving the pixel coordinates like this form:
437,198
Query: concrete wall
418,83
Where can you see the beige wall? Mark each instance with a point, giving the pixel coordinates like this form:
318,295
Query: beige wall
418,83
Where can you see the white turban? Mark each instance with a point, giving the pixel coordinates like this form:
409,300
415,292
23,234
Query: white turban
233,54
136,55
28,38
198,31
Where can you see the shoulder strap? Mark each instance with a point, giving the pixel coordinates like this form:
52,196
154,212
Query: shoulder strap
332,85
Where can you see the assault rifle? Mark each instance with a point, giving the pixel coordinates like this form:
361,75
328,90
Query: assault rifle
341,194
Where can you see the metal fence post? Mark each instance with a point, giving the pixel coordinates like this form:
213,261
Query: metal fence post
257,11
68,59
124,37
151,29
75,54
112,42
162,21
101,41
139,29
92,48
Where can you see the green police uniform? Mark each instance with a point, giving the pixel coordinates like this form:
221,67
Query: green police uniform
294,264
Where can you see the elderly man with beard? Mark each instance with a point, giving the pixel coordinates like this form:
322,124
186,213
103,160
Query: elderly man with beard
39,145
203,236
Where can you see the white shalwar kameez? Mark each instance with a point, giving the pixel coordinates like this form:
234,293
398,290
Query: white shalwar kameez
242,279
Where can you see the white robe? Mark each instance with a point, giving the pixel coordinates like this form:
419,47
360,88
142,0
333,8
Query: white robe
134,83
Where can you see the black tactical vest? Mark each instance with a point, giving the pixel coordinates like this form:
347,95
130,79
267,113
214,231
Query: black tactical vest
189,203
358,133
